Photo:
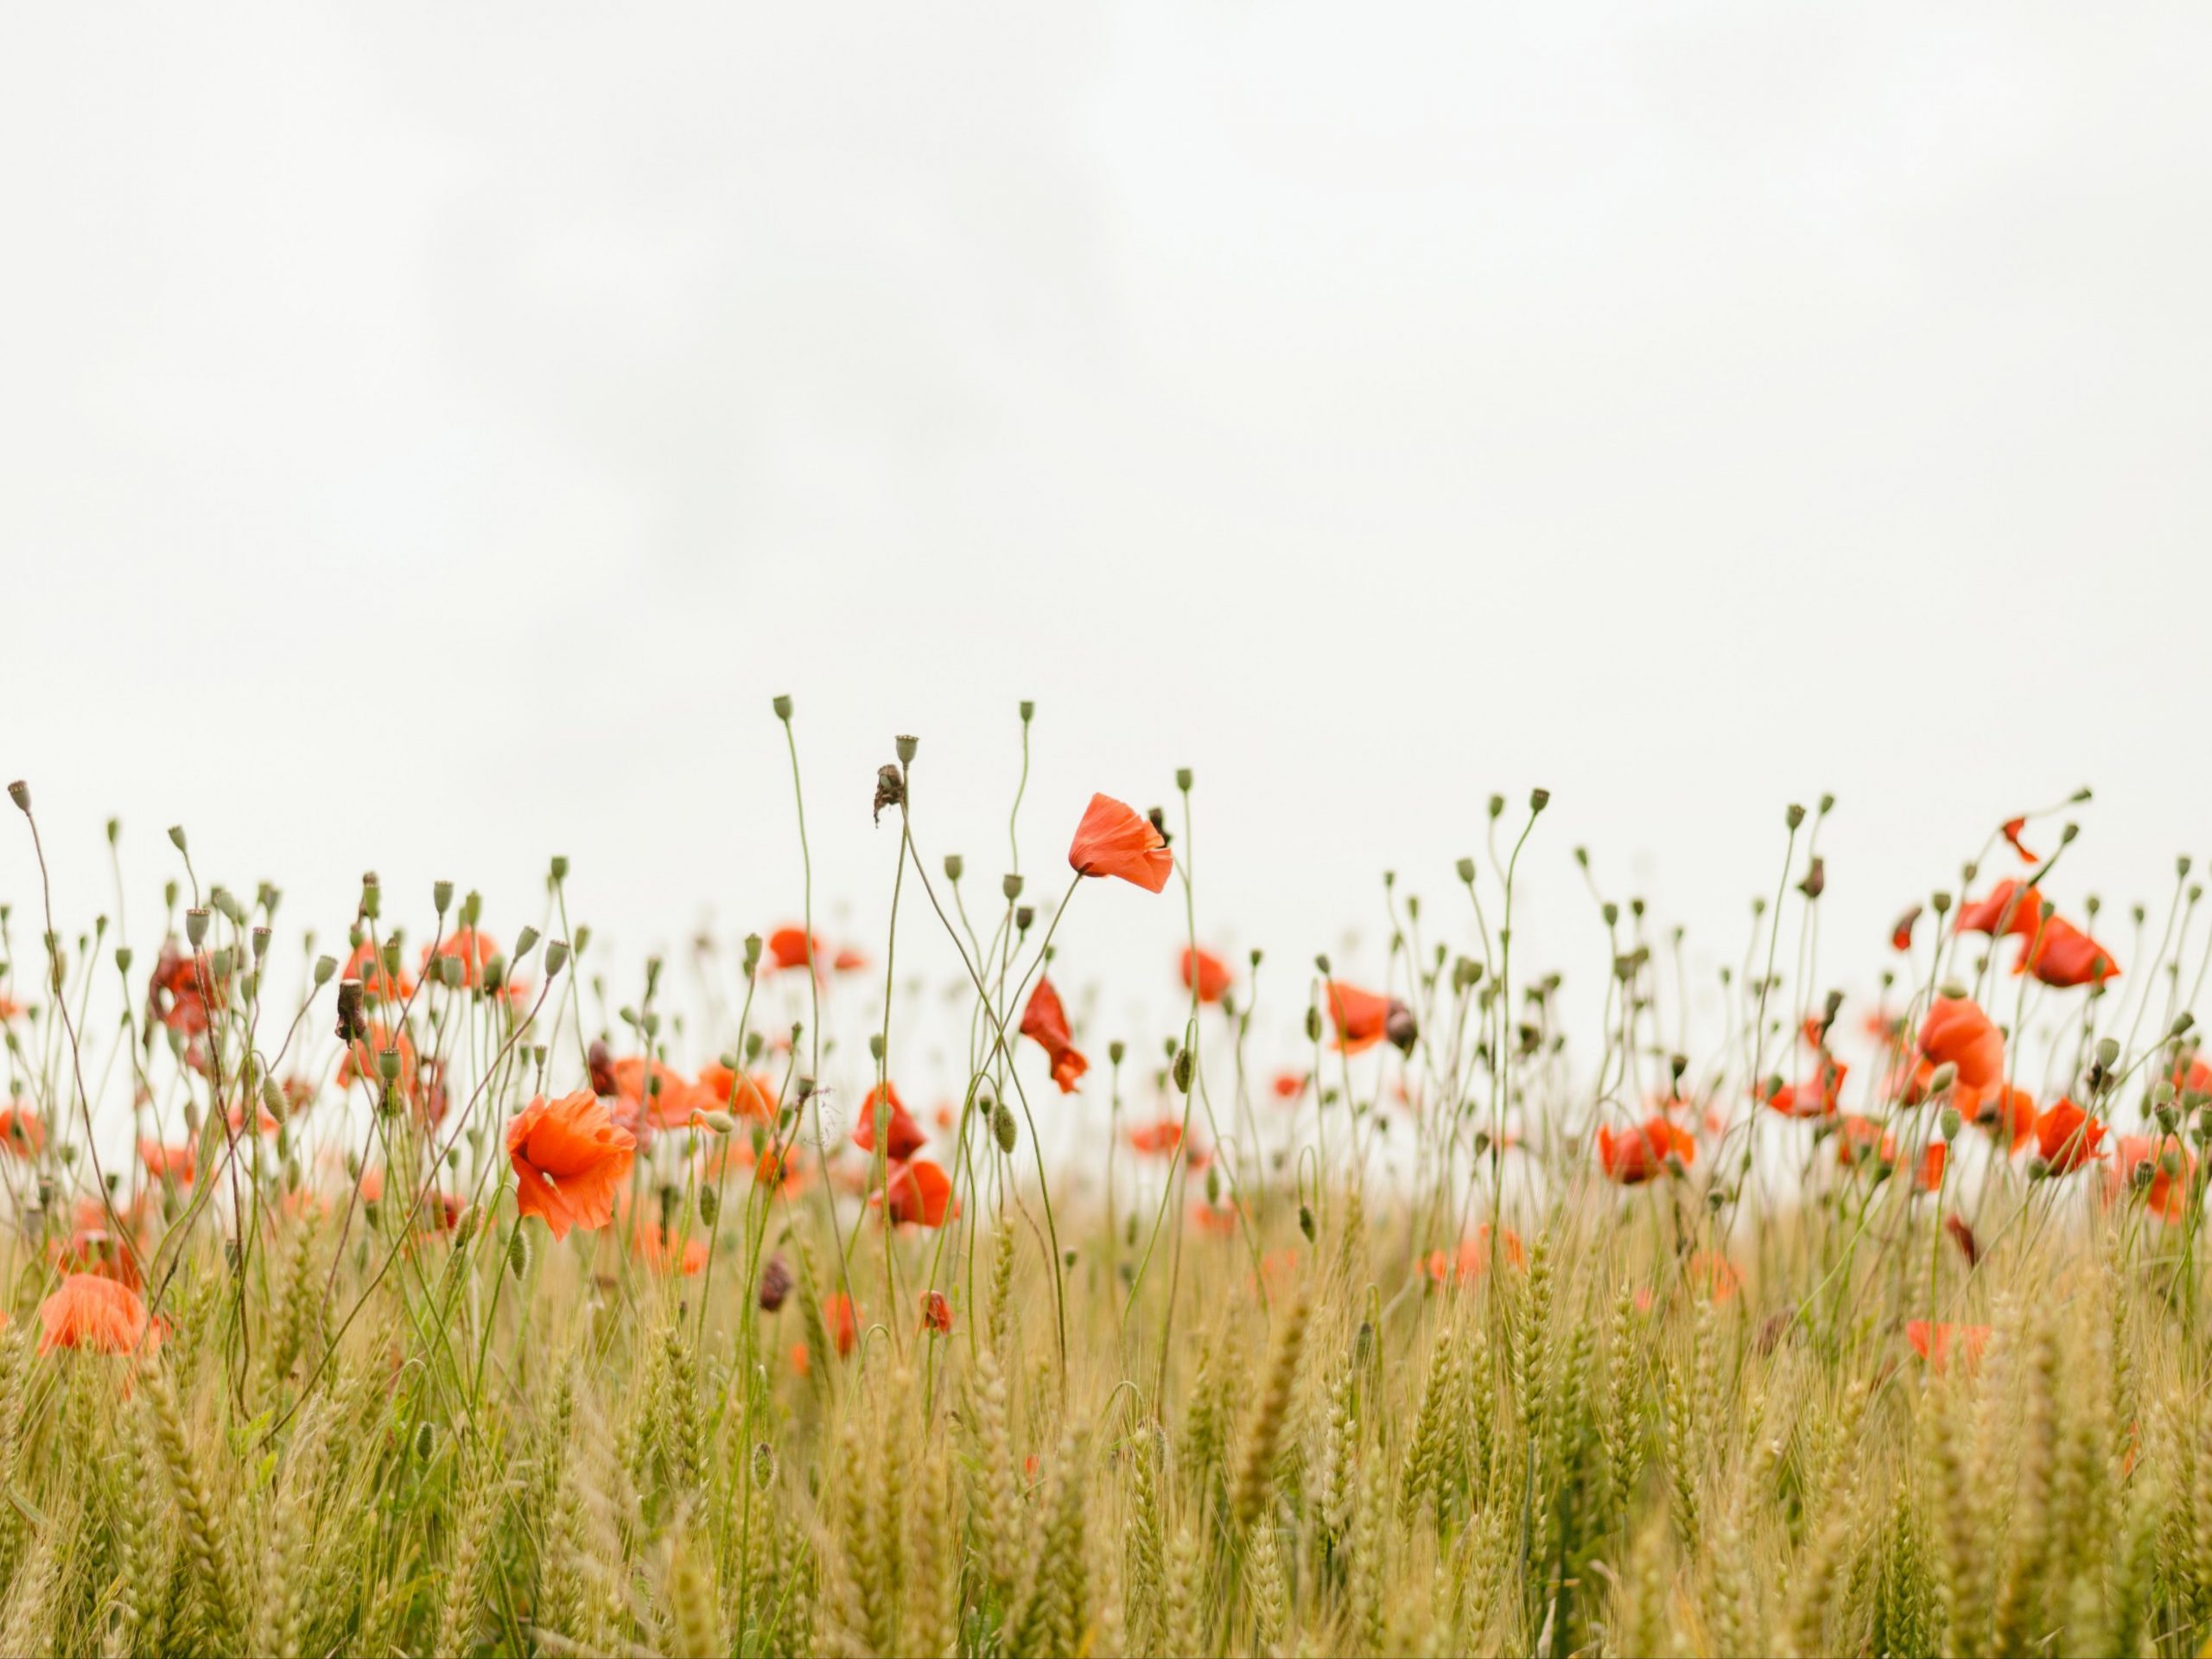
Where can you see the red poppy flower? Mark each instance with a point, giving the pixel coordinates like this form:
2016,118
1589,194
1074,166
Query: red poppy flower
1046,1022
918,1192
377,985
2012,828
1640,1154
2173,1171
1113,839
733,1091
1957,1032
89,1310
177,1163
2006,1115
570,1158
1935,1343
471,947
2064,954
936,1313
2066,1137
837,1314
1816,1097
1211,972
22,1132
902,1139
1933,1156
849,959
2008,907
788,947
1159,1140
1289,1085
1360,1017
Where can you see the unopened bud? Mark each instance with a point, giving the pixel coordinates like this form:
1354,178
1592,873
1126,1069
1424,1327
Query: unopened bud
1185,1070
954,866
1003,1127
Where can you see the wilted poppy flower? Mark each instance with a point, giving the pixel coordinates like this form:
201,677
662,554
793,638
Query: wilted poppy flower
89,1310
2063,955
1205,973
1046,1022
788,947
2011,828
22,1132
2171,1166
183,987
1956,1032
775,1282
1113,839
837,1316
657,1248
904,1137
1639,1154
2008,907
1935,1343
918,1192
1901,930
2066,1137
569,1159
1360,1017
936,1313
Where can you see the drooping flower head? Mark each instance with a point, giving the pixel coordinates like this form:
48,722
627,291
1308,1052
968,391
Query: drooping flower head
2006,908
570,1158
1204,972
1113,839
903,1137
1045,1023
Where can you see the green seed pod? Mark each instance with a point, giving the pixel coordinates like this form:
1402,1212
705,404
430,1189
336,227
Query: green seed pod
1004,1128
1185,1071
710,1204
1305,1221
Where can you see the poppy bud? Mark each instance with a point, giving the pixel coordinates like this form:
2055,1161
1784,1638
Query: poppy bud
1362,1342
1949,1120
124,958
558,869
2141,1176
1115,1051
1028,711
1011,886
1213,1183
954,866
710,1205
449,971
272,1099
556,955
1940,1080
1465,971
1399,1026
775,1282
1003,1127
1305,1221
2169,1118
2108,1052
2038,1169
1183,779
2067,832
1795,816
1024,916
2183,1021
783,707
1538,800
1185,1070
1828,804
1313,1024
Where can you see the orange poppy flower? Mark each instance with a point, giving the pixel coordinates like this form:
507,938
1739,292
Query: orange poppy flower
569,1159
2011,829
2066,1137
1218,1222
177,1163
22,1132
8,1008
1360,1017
789,947
2173,1170
2006,1115
1933,1343
1815,1098
1471,1260
2064,955
1957,1032
919,1193
655,1095
89,1310
903,1138
2008,907
1856,1137
1160,1140
1203,971
849,959
1289,1085
1046,1022
2192,1075
837,1315
377,985
1113,839
1933,1157
471,947
657,1248
1640,1155
936,1313
736,1092
1713,1274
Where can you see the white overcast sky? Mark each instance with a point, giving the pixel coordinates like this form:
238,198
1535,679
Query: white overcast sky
429,435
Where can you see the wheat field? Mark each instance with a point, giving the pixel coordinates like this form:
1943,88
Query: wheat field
469,1299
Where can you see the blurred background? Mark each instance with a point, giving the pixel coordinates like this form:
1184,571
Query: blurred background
430,436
